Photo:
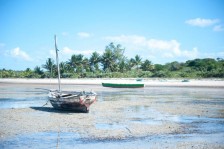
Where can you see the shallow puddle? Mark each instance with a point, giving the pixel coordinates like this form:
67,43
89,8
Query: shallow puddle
73,140
40,140
15,102
109,126
194,124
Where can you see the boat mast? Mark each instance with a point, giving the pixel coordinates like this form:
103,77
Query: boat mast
56,49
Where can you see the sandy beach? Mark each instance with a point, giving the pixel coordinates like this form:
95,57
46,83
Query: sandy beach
164,114
147,82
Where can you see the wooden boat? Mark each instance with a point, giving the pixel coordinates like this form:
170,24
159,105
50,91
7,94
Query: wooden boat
123,85
73,101
139,79
185,80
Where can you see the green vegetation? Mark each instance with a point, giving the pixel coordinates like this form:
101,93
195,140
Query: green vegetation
113,64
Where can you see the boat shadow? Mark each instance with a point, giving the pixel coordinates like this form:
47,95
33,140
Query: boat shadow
53,110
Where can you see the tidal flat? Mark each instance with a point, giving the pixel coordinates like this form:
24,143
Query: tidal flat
149,117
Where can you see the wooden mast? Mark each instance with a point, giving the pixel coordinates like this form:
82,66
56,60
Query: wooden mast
59,77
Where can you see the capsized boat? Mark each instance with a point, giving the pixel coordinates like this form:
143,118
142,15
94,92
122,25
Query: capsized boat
123,85
70,100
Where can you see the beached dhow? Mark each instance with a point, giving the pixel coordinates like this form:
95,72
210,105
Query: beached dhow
70,100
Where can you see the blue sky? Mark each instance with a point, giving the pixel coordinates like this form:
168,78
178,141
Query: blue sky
159,30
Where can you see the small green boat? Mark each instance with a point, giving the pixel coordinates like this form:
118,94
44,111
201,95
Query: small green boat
185,80
123,85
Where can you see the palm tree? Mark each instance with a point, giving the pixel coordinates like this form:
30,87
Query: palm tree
112,57
85,65
131,63
138,61
118,52
76,62
147,66
123,66
37,70
62,67
49,66
66,70
135,62
94,61
108,60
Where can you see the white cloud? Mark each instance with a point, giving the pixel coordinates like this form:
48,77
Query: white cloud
65,33
154,47
220,54
64,52
191,54
172,46
52,53
67,52
202,22
2,45
213,55
17,53
83,35
218,28
126,39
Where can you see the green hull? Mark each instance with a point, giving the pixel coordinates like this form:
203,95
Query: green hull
117,85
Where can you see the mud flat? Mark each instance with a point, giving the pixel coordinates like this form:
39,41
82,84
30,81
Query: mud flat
150,117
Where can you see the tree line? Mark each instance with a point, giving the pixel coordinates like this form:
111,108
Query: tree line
114,64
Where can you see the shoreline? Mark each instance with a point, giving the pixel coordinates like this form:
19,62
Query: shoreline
217,83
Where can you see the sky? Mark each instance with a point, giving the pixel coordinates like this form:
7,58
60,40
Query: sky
158,30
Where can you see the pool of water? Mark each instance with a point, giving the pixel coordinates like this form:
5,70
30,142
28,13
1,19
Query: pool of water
73,140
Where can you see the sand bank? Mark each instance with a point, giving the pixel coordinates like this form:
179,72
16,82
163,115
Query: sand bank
147,82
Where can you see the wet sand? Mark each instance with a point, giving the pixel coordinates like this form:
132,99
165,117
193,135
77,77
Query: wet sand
152,117
148,82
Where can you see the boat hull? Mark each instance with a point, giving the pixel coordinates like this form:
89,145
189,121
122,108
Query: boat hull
72,102
123,85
